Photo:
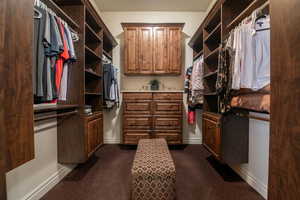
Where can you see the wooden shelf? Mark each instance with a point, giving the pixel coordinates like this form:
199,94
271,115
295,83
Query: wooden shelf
215,35
92,21
212,56
107,54
196,43
209,75
40,108
91,35
214,21
52,116
198,55
93,94
91,54
246,12
60,13
92,74
210,94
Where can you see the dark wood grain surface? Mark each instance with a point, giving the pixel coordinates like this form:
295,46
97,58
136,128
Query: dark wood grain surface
284,173
16,95
3,5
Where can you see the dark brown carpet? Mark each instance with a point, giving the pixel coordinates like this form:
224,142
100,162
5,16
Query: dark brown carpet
107,177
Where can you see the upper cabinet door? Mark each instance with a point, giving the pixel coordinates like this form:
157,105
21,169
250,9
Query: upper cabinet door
161,54
175,54
131,50
146,50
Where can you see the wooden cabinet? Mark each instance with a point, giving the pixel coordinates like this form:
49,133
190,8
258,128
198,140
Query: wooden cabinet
212,133
152,115
131,50
94,133
226,137
153,48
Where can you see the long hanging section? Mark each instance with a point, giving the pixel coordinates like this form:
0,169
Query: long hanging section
81,134
226,108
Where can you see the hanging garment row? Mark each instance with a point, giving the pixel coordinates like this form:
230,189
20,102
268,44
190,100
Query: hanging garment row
54,53
110,82
194,82
244,65
194,88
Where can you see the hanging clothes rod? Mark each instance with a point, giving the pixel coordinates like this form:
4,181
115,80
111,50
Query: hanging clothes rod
43,4
55,116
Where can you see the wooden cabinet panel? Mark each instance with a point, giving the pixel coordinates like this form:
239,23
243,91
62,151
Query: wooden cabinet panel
133,136
146,50
137,108
137,122
212,135
16,95
172,137
153,49
175,59
137,96
132,50
160,108
161,54
167,122
94,135
168,96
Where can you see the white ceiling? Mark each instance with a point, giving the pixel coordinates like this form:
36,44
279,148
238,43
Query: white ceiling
153,5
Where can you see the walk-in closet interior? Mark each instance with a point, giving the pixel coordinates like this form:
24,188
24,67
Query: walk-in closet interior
149,100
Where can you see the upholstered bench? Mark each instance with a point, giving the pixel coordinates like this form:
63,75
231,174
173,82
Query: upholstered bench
153,171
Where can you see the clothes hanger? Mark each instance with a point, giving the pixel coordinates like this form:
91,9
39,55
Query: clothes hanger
39,14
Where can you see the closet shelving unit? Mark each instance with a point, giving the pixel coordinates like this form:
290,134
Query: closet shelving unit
80,135
218,129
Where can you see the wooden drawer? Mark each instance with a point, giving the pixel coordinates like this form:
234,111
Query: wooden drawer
167,108
168,96
131,96
137,108
212,136
137,122
167,122
133,136
174,137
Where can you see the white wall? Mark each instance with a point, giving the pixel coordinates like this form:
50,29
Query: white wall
113,20
33,179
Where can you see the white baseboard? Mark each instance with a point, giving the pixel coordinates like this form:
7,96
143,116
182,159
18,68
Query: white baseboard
255,183
192,141
48,184
185,141
112,141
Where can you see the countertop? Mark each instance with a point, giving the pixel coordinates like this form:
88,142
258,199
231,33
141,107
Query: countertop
154,91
